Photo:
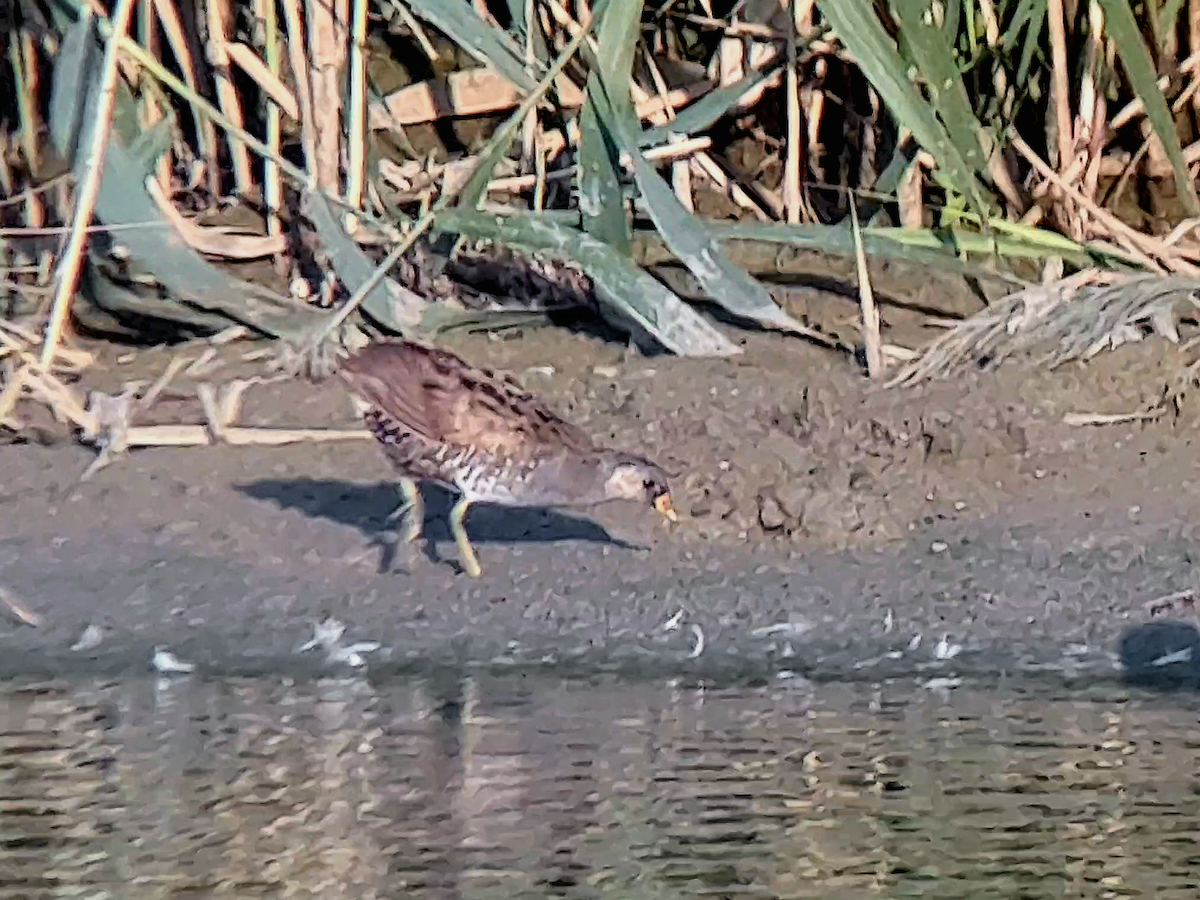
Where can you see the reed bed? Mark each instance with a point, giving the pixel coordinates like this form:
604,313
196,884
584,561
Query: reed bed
306,172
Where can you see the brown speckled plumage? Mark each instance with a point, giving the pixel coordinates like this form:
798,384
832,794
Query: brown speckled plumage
438,418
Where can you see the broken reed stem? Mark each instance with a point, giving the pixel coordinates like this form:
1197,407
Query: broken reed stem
872,342
295,46
327,30
181,47
791,170
23,60
681,170
1060,74
220,20
67,274
22,612
357,102
237,436
268,15
152,110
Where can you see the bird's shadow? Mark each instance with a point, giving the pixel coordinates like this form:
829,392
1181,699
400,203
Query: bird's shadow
1161,653
367,507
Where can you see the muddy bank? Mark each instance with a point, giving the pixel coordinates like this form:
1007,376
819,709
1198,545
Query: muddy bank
827,524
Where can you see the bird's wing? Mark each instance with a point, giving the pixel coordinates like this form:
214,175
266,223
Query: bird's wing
440,396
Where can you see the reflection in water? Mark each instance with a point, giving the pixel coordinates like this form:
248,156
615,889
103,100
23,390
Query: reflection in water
520,786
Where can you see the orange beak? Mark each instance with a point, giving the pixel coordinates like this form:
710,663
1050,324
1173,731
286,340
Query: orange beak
663,504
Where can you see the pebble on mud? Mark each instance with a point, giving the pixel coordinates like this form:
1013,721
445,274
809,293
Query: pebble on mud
942,436
770,515
793,496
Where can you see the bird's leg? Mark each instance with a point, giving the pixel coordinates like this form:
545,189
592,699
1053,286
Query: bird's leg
466,553
411,510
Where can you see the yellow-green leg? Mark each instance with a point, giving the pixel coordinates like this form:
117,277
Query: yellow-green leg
466,553
411,510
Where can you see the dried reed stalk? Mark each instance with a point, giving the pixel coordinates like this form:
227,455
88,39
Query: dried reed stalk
151,109
792,201
357,163
327,47
23,59
219,14
872,341
266,12
295,45
67,272
168,17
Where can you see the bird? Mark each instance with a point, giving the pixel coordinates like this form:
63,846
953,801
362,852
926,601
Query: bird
441,419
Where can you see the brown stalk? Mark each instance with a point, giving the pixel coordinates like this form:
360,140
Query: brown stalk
872,342
214,240
236,435
792,198
414,25
168,17
1193,20
327,46
67,274
531,144
295,46
24,54
219,14
151,107
269,82
1060,87
1090,123
812,103
356,173
1135,107
674,150
910,193
681,170
267,15
540,173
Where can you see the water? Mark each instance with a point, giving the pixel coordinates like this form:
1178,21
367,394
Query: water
509,785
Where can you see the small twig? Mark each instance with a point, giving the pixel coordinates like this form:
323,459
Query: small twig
12,393
1186,597
19,609
172,369
201,365
1110,418
231,398
237,435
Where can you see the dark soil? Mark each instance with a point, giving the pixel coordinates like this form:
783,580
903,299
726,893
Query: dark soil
862,516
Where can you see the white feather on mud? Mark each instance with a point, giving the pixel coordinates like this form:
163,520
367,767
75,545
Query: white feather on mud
167,663
328,634
91,638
